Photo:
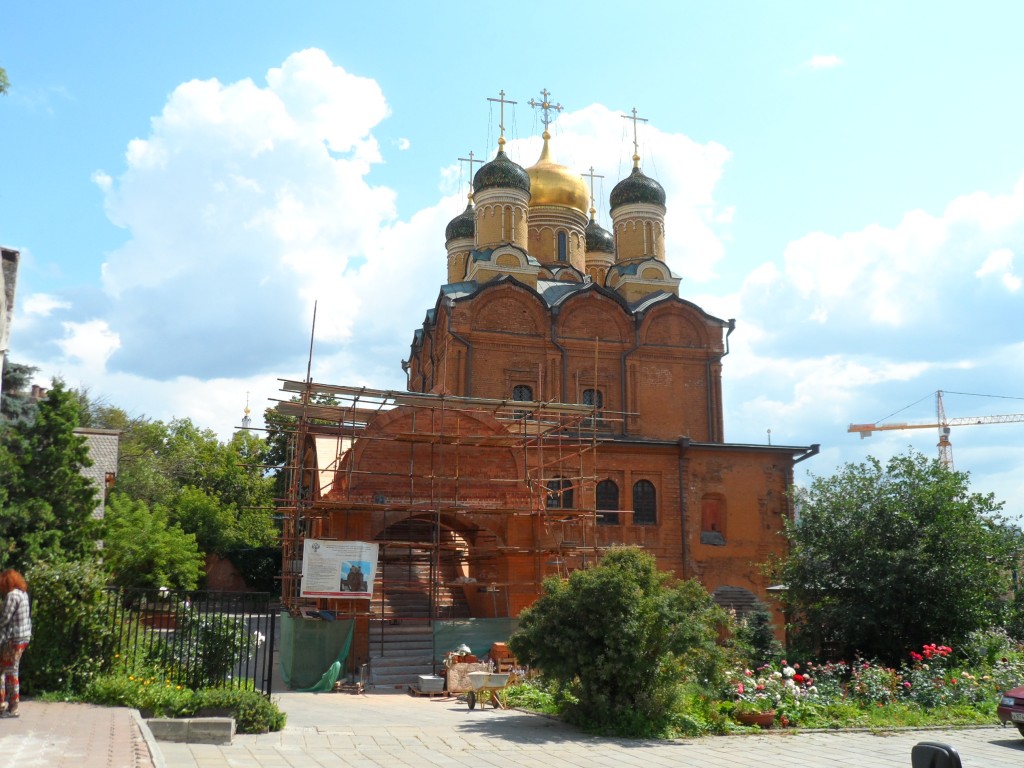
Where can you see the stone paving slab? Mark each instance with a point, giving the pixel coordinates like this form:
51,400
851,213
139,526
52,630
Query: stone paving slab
64,735
394,730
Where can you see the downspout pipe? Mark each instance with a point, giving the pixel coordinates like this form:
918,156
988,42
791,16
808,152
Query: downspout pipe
684,445
713,435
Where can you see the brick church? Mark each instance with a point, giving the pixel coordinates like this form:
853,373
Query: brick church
563,398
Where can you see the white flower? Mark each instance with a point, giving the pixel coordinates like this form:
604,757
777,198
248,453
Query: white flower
788,671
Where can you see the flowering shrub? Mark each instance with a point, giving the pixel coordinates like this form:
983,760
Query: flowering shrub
874,684
768,688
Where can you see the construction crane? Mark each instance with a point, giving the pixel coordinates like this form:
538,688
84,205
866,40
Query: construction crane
943,425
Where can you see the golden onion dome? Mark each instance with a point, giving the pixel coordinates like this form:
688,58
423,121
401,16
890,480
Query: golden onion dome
554,184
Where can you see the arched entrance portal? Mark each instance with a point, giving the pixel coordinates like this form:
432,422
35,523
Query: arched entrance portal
423,565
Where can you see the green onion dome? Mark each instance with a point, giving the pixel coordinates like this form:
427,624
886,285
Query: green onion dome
637,188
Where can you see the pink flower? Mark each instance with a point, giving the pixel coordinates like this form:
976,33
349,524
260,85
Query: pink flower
739,689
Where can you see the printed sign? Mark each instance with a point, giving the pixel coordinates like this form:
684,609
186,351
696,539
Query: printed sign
338,568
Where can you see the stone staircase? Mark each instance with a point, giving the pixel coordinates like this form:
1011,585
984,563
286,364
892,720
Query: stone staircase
401,642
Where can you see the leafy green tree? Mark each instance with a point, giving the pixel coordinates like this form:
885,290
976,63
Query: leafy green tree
143,549
4,82
619,639
47,512
884,559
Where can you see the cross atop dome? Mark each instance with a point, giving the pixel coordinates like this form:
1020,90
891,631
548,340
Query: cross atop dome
545,106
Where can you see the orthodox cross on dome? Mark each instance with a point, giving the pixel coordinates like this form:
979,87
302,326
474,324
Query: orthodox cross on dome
545,106
471,160
636,144
501,124
592,176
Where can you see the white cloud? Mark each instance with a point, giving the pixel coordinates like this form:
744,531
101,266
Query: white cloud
403,144
43,304
999,263
823,61
89,345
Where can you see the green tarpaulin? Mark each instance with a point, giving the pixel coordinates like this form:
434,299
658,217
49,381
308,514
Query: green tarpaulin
313,652
478,634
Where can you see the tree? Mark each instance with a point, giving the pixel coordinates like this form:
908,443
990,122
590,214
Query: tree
143,549
884,559
47,512
619,637
16,403
4,82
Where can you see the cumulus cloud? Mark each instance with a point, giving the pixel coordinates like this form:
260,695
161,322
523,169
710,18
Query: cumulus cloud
1000,265
43,304
244,204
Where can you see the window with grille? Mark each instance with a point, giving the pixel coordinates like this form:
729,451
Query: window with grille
594,398
559,493
607,499
645,503
563,247
522,392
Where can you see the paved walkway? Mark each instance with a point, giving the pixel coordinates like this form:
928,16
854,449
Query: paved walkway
396,730
58,735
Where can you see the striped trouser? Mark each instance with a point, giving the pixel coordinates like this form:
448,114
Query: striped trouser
10,688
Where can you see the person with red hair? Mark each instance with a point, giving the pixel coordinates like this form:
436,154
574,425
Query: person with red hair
15,633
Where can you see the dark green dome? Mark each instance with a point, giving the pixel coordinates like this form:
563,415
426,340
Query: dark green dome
637,188
501,172
599,238
463,225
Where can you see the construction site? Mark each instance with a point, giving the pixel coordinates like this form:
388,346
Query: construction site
473,503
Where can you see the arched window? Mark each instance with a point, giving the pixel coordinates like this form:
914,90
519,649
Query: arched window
607,499
563,247
595,399
645,503
522,392
559,493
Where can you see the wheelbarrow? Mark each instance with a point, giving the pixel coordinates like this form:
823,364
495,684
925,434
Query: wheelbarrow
485,688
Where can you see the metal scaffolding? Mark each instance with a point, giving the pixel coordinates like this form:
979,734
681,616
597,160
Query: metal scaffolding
434,510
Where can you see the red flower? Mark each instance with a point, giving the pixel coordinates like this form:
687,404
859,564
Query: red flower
798,678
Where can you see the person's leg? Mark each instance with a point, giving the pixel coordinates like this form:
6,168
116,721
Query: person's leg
11,678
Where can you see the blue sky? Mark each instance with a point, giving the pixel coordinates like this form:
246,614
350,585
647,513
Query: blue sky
846,180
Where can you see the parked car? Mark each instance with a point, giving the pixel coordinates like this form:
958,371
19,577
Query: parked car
1011,708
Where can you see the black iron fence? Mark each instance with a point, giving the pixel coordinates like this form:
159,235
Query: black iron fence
198,639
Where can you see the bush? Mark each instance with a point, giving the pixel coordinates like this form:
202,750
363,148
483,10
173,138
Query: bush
71,639
619,639
157,696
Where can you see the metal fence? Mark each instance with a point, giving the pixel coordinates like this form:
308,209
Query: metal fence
196,639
